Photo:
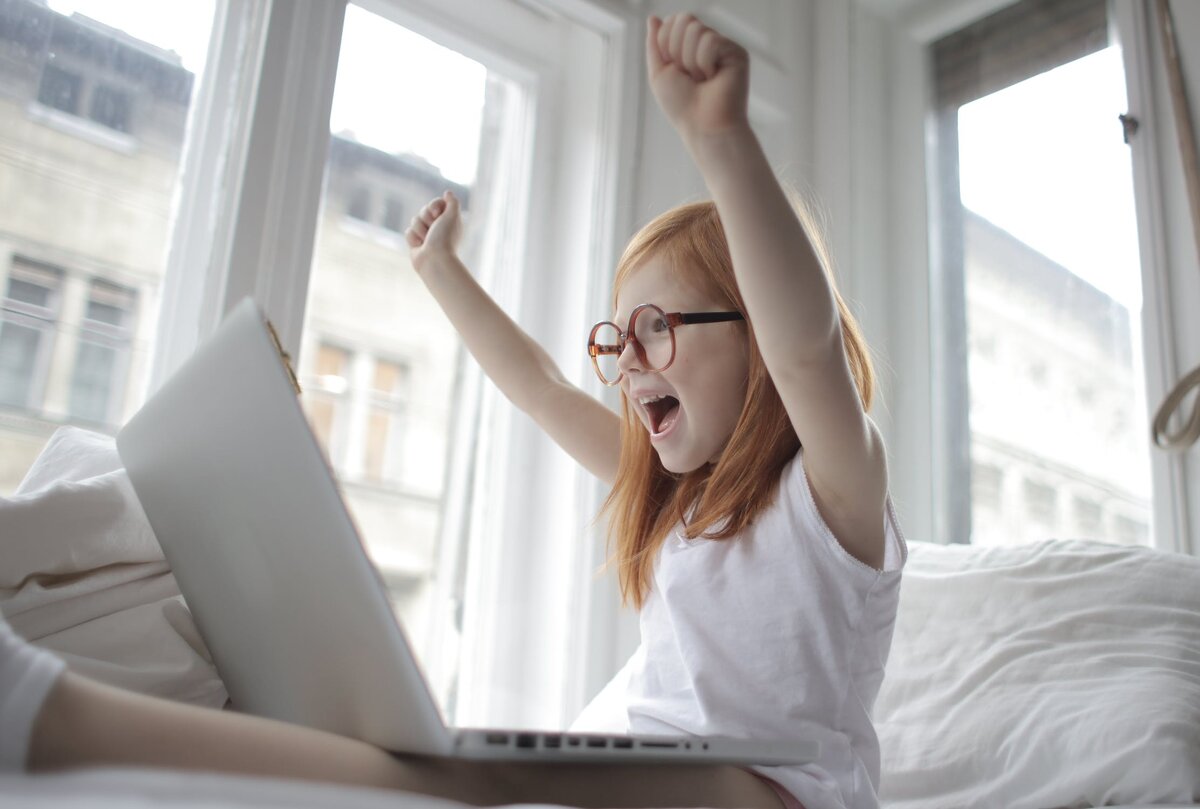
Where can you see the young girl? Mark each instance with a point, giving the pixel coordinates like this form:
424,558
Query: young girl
750,496
749,505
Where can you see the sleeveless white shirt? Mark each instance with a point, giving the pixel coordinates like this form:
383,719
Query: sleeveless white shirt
775,633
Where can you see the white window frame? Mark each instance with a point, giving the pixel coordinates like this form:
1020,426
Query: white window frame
918,451
252,179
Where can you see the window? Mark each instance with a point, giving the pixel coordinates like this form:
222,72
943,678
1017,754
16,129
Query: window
441,475
110,107
390,426
359,206
385,422
60,89
357,404
101,361
393,215
86,219
327,390
1040,268
27,332
1041,503
1088,518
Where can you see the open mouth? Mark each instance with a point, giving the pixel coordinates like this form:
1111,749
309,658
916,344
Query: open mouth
663,411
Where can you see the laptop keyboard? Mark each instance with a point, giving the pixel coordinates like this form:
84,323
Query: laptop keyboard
553,741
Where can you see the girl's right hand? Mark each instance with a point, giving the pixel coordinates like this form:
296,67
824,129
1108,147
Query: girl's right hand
437,228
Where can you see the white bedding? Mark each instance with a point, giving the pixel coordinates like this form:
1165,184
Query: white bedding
82,575
1060,674
138,789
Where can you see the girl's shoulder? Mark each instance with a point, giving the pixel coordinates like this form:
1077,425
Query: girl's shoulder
797,500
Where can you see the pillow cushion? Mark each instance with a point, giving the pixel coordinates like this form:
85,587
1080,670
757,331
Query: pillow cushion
1063,673
81,574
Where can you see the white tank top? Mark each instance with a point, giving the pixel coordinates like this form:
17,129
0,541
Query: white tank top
775,633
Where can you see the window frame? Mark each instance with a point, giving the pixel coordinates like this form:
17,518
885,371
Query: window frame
251,188
923,449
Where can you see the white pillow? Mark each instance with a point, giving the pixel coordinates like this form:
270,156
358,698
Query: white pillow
1063,673
81,574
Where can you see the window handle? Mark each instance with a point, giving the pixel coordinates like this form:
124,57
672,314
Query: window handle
1129,126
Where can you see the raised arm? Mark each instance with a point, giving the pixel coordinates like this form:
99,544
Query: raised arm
701,80
524,372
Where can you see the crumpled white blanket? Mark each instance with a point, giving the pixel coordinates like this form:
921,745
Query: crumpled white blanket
82,575
1063,673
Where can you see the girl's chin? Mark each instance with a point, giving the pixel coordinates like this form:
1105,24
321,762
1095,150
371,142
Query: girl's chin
676,465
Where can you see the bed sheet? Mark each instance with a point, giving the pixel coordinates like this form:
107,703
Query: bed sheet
138,789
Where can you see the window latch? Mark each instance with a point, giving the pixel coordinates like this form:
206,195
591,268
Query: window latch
1129,126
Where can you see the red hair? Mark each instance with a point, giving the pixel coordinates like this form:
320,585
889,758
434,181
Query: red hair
646,500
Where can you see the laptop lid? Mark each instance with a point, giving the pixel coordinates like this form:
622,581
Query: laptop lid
248,513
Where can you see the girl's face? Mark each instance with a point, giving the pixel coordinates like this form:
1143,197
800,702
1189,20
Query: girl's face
703,390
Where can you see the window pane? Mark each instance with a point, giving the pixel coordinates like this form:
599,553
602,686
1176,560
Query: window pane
388,434
110,108
60,89
92,383
94,98
19,348
1053,307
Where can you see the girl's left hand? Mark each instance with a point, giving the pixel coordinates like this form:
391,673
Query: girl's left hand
700,78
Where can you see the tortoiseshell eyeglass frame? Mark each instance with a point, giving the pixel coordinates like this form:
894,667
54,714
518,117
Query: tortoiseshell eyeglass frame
596,350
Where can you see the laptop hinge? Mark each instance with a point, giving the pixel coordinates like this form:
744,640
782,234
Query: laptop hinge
284,357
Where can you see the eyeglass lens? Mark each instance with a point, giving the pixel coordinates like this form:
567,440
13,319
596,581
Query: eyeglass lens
654,343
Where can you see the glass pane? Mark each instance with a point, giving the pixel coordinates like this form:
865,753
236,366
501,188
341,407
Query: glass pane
18,350
92,384
94,98
1058,422
389,432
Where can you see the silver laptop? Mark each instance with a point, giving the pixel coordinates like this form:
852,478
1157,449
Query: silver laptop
249,515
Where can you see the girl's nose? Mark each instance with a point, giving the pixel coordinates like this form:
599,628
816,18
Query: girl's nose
628,359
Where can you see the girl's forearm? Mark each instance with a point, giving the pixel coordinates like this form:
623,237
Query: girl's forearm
519,366
788,295
86,724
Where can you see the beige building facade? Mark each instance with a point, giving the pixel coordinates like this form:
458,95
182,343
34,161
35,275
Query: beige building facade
92,127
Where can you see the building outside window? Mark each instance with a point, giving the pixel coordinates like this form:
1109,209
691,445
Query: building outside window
1040,279
60,89
92,126
27,332
94,117
102,359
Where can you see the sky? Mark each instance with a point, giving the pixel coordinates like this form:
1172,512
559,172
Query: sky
395,90
1043,159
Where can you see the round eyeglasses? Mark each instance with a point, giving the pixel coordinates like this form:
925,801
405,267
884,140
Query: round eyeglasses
652,332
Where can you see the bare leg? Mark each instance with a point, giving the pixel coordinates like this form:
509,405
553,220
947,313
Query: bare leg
86,724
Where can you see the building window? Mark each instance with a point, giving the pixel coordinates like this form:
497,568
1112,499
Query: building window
60,89
1040,505
356,403
326,391
111,108
1088,518
393,215
102,358
28,323
384,449
359,206
986,487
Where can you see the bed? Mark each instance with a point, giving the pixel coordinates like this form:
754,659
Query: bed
1058,674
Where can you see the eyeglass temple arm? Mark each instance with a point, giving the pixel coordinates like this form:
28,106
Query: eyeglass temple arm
711,317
